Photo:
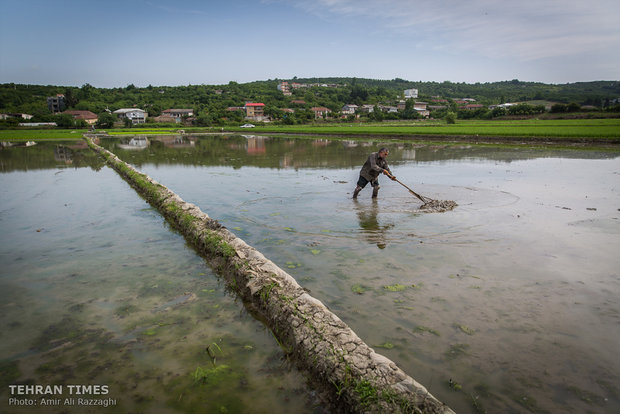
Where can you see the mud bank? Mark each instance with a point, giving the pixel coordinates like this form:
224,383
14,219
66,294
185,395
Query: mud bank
345,370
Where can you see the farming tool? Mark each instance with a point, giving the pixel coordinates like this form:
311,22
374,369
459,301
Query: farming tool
423,199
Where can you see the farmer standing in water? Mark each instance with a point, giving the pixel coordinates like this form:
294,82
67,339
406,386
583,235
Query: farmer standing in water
374,165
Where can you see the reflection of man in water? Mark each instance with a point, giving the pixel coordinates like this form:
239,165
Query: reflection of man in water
369,225
374,165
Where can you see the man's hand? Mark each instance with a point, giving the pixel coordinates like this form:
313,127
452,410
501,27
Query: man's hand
386,172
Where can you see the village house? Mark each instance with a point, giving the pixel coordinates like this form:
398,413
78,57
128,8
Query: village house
504,105
89,117
367,108
178,114
16,115
56,103
424,113
349,109
285,88
320,112
135,115
298,102
389,109
255,111
472,107
164,119
410,93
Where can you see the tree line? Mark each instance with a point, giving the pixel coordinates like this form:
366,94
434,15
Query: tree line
211,102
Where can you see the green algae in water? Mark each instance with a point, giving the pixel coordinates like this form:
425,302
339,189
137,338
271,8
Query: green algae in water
359,289
315,251
395,288
456,351
465,329
150,332
125,310
421,328
386,345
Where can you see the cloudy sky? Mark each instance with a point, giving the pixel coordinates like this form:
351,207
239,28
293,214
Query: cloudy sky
163,42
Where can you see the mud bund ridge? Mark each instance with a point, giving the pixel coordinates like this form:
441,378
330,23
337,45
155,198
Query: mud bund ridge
346,372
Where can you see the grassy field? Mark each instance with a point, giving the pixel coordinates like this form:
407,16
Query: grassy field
596,130
40,134
573,128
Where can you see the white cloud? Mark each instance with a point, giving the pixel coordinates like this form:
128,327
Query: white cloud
524,30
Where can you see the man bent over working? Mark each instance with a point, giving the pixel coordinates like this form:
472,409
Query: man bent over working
374,165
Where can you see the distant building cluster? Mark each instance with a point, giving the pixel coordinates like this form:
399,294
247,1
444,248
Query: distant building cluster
285,87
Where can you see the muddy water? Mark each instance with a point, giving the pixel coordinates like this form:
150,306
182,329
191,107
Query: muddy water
505,304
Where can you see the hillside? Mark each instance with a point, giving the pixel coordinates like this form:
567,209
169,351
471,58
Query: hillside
210,102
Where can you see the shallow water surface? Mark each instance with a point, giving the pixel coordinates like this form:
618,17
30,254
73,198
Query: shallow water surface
96,289
505,304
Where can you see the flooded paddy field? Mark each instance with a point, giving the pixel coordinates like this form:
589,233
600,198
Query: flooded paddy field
95,288
507,303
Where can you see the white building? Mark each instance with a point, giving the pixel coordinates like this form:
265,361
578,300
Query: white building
411,93
137,116
349,109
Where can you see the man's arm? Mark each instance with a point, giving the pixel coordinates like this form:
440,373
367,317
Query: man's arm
373,163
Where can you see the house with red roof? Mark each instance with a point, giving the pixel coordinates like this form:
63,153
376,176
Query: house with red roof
320,112
255,111
88,116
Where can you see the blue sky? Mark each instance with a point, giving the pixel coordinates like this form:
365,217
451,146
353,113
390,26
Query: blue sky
141,42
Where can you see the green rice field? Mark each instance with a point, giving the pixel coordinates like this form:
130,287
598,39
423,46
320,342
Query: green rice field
40,134
570,128
606,130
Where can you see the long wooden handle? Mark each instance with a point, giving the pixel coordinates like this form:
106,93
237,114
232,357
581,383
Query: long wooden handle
410,190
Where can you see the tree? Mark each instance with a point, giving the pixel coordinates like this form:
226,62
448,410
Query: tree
376,114
85,91
70,99
105,120
64,121
450,118
410,112
358,95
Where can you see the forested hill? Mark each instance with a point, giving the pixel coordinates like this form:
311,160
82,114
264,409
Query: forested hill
214,99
